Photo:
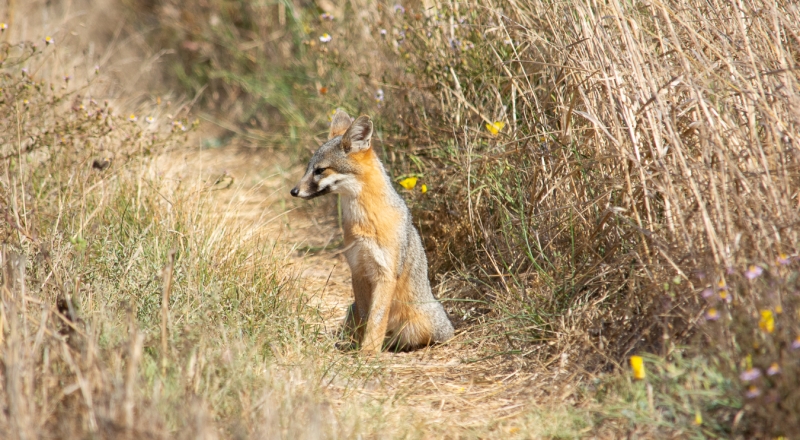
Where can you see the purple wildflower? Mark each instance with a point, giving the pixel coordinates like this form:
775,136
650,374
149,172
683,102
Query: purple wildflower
773,369
753,272
707,293
784,259
796,343
712,314
752,392
750,374
399,8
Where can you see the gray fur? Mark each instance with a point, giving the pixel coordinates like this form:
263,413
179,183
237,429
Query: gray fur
415,261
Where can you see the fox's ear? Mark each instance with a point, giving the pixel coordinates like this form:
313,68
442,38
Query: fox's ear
357,137
340,123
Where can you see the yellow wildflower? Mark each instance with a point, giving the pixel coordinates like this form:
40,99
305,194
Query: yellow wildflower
495,127
767,322
637,364
698,418
424,188
408,182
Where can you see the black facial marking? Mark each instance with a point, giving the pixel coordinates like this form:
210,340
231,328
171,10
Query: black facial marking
319,193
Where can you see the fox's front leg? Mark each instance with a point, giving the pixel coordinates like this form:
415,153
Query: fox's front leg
352,328
378,317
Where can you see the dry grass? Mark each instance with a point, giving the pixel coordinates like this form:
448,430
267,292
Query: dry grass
614,152
648,154
649,151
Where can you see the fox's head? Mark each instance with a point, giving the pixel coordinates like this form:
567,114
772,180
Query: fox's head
333,169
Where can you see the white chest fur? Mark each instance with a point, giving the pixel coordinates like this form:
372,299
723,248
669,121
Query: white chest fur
365,257
352,211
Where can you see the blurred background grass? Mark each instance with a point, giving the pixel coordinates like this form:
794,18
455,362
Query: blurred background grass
601,181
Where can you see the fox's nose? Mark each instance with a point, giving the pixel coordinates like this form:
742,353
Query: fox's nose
294,192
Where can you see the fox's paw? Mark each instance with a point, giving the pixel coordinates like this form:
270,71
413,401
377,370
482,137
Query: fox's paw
346,346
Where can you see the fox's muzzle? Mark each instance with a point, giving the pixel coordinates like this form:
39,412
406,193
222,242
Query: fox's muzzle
307,195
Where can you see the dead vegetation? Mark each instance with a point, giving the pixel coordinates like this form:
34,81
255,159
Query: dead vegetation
601,180
647,152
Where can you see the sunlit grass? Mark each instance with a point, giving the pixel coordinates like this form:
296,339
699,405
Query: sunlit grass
593,182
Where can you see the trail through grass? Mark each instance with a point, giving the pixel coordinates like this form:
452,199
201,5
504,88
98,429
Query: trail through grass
460,384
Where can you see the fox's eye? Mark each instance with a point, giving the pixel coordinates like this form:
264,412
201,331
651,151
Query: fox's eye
319,171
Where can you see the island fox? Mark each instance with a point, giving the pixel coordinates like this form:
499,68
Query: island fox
393,299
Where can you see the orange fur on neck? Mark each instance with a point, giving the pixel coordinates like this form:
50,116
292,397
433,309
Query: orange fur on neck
381,220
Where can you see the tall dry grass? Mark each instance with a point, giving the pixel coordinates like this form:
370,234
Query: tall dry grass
650,150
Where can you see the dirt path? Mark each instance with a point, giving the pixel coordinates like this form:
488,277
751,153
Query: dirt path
446,384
